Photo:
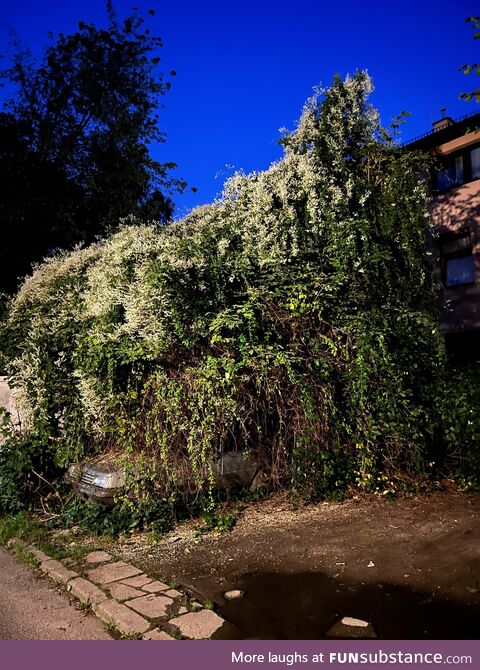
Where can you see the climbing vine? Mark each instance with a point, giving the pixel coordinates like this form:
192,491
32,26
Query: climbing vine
293,319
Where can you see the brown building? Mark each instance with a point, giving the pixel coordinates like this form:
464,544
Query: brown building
455,210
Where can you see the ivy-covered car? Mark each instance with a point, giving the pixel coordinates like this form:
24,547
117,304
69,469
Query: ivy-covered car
103,479
100,480
294,318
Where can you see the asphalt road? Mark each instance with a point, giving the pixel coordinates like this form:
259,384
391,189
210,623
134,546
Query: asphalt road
32,609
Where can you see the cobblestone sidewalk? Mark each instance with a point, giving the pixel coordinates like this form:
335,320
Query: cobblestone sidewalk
128,600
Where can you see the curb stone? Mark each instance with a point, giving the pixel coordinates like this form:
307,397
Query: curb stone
39,555
85,591
57,571
16,542
102,587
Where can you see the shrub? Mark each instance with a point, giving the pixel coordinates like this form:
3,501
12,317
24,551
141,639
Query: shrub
293,318
457,402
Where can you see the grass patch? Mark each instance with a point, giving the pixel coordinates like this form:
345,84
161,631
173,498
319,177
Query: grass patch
26,557
21,526
51,550
58,552
24,527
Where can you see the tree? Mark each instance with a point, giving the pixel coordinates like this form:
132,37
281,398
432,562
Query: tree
474,67
75,141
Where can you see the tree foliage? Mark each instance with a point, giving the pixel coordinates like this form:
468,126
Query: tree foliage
294,319
75,141
474,67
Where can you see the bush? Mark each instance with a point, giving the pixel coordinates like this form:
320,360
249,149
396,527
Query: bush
27,473
457,402
294,318
111,521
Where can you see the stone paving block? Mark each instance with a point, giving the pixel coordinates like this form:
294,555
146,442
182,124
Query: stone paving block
39,555
57,571
112,572
155,587
198,625
98,557
157,634
172,593
141,580
121,591
127,622
86,591
151,606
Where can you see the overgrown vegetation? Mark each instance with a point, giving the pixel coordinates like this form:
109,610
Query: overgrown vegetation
293,319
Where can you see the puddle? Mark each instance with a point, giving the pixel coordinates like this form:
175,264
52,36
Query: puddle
304,606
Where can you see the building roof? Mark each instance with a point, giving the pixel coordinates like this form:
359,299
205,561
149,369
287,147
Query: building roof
433,138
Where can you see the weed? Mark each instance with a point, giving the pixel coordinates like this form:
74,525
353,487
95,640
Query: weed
26,557
225,522
78,552
111,628
52,550
20,526
219,522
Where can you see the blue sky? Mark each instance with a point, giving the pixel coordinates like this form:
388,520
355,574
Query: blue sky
245,69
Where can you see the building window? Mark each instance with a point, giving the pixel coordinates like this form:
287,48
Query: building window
475,162
452,174
457,259
459,271
458,168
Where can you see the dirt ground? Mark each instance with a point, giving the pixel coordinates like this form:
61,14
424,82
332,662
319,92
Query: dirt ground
409,565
